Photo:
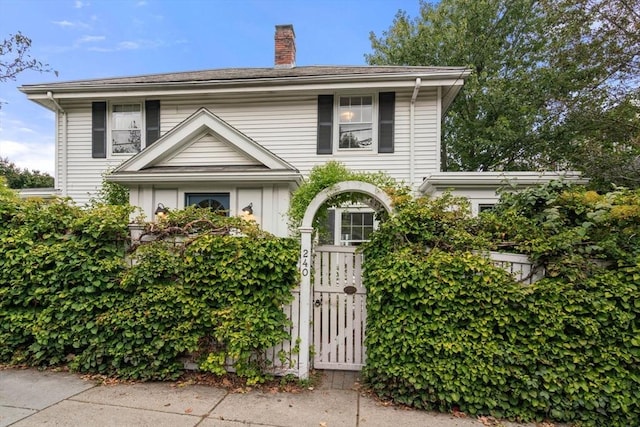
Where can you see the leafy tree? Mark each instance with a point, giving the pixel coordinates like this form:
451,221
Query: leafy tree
15,58
550,80
23,178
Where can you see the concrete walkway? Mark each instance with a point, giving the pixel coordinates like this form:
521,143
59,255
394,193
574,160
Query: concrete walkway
34,398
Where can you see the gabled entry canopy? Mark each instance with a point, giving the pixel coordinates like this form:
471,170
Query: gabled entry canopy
204,148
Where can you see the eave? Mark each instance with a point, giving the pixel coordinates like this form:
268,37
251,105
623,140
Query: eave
453,80
201,175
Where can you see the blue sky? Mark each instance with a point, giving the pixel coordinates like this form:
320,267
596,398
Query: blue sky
84,39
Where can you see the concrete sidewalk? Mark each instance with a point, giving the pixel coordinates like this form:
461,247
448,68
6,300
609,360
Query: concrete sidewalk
34,398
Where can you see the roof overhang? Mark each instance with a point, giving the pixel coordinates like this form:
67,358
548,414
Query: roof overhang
193,175
450,79
441,181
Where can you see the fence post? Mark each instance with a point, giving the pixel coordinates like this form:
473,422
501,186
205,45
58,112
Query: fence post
305,300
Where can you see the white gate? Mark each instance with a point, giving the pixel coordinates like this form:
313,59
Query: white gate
339,309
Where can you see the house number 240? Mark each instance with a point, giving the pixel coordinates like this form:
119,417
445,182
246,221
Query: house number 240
305,262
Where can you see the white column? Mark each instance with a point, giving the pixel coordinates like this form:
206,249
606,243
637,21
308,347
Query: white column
306,262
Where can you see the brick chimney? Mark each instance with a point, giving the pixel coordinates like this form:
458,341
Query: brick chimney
285,46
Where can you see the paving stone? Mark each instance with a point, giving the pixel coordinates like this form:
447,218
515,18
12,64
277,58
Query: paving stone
164,397
335,408
72,414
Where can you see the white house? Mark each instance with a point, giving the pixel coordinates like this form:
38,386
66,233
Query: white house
232,137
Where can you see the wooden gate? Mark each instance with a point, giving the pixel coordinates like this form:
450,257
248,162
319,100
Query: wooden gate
339,309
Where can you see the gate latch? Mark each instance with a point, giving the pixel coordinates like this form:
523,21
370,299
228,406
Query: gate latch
317,303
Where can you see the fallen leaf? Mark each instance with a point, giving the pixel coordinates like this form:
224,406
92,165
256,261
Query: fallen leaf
188,410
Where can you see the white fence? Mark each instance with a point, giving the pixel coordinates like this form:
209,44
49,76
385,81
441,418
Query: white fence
520,266
285,356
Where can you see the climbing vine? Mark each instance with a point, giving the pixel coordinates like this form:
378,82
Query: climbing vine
447,329
200,286
330,174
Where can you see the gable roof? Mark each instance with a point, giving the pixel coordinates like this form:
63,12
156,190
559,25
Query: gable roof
164,159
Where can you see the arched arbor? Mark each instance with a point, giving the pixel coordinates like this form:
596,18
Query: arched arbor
377,199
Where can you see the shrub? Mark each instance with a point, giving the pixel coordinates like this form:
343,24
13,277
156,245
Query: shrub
447,329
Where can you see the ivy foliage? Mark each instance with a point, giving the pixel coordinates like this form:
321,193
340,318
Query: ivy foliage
201,285
448,329
329,174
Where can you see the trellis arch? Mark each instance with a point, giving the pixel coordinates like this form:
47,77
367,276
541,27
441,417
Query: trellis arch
378,200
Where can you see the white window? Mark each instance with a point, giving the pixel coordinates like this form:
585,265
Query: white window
355,122
126,128
355,227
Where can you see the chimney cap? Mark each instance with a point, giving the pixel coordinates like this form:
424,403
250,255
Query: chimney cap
285,27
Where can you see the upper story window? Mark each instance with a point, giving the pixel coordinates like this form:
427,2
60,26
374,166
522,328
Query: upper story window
129,127
355,122
126,128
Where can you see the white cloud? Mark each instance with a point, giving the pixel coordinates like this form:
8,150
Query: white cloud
80,4
90,39
68,24
64,23
141,3
129,45
27,155
133,45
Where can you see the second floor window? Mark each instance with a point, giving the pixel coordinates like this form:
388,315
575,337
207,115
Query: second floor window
126,128
355,116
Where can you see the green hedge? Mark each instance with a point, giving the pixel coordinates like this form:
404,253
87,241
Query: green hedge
447,329
67,295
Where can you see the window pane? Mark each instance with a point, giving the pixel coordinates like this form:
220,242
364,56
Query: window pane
356,136
368,218
367,233
125,141
356,122
357,218
126,123
217,202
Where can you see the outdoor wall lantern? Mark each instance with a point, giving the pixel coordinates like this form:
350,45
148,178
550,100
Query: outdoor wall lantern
161,212
247,213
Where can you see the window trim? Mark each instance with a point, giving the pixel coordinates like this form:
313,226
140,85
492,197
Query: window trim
337,232
383,132
110,127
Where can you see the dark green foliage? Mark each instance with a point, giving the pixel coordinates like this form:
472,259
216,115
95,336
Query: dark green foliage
447,329
553,82
23,178
66,294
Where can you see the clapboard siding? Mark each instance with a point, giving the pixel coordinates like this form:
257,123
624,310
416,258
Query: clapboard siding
84,174
209,150
285,125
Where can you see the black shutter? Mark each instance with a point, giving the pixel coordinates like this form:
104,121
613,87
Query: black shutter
387,107
152,111
325,124
99,130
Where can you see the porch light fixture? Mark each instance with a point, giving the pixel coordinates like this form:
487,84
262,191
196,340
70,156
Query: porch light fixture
161,212
247,213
